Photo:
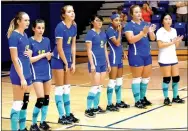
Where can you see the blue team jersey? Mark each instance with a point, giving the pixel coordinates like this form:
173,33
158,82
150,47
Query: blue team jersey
116,52
20,42
41,68
61,31
141,47
98,42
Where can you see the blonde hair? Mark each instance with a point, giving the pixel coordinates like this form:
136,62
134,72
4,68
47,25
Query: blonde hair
13,24
63,10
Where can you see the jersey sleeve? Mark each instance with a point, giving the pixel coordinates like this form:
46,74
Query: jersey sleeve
128,28
159,35
88,37
59,31
13,41
110,33
30,44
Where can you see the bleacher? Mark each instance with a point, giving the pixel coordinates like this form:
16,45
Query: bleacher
108,7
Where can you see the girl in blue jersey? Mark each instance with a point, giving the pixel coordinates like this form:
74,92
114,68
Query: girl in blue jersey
98,62
20,72
139,57
63,63
41,73
168,41
114,35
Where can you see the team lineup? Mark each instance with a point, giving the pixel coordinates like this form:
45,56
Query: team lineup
32,67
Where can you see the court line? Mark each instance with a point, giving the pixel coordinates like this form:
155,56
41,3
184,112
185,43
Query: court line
137,115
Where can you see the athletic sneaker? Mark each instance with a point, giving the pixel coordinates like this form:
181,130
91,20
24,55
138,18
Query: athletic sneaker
73,118
146,102
139,104
23,129
112,108
44,126
34,127
167,102
99,110
89,113
64,121
178,100
122,105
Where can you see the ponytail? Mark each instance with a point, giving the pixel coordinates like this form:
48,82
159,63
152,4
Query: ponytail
11,28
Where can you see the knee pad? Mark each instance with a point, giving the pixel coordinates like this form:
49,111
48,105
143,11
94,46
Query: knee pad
145,80
166,80
59,90
40,102
66,89
119,81
136,80
112,83
100,88
17,105
94,89
46,100
176,79
25,101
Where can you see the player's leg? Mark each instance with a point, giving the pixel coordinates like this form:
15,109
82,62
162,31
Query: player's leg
175,84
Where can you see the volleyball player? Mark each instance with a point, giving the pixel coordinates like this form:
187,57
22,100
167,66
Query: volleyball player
20,72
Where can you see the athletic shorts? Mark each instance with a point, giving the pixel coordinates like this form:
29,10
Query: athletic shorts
58,64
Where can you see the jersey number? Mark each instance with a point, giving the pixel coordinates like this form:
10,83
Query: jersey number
69,40
41,52
102,44
26,47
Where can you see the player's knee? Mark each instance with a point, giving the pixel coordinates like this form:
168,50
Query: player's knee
136,80
39,103
94,89
100,88
46,100
166,80
67,89
59,90
145,80
119,81
17,105
25,101
112,83
176,79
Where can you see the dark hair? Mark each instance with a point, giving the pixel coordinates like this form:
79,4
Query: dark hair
120,9
132,8
114,12
13,24
163,15
63,10
93,18
34,24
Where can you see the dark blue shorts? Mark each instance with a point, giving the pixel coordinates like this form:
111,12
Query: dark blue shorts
137,60
161,64
120,65
40,80
58,63
15,80
98,68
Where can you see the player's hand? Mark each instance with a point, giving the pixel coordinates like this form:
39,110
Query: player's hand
145,30
28,53
72,68
93,69
108,68
66,68
119,28
152,28
23,83
124,56
48,55
179,38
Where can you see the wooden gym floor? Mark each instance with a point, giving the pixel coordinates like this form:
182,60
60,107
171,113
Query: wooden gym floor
156,116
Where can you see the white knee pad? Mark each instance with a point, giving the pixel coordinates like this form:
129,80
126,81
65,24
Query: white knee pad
94,89
145,80
136,80
67,89
119,81
17,105
100,88
59,90
112,83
